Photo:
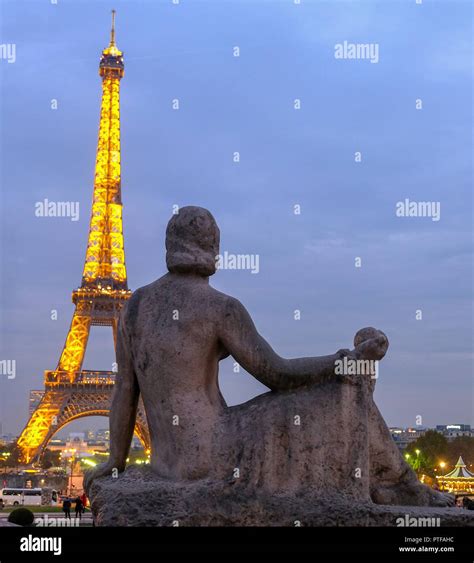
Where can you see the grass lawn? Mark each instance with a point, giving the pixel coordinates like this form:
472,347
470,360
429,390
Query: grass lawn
34,509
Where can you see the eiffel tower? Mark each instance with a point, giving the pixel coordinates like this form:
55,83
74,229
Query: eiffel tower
70,391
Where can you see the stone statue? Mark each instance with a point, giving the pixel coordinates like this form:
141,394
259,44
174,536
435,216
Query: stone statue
317,432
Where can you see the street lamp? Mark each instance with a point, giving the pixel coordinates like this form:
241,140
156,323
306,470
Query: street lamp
73,451
416,465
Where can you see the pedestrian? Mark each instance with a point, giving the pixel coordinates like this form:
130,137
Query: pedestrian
67,508
84,501
79,507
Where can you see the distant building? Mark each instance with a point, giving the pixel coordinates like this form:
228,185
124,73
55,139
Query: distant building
56,444
451,431
103,435
7,438
77,446
35,399
97,446
404,436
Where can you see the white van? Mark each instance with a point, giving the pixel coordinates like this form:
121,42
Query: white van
24,497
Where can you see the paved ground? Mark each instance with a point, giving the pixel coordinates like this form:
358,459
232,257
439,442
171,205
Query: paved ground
48,517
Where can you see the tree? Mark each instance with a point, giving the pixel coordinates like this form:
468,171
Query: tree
9,456
461,446
50,459
427,452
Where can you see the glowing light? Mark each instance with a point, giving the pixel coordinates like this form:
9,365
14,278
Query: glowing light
105,256
104,278
89,462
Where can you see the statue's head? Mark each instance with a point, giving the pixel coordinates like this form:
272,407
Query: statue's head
192,242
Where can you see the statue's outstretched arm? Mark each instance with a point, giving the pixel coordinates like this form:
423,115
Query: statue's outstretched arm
240,337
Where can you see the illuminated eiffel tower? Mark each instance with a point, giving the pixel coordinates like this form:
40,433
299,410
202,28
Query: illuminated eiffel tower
70,391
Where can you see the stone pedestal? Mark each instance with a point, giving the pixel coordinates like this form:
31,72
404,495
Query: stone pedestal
139,498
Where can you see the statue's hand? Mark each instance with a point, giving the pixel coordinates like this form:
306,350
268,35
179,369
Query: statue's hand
101,470
370,344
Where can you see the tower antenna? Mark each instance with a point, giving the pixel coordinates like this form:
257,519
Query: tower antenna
112,31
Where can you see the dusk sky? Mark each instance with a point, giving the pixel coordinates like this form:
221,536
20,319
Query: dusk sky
288,157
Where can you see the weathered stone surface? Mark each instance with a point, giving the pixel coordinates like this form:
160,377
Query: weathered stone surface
139,498
316,438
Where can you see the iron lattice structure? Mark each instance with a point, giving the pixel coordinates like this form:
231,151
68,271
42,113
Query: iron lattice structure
70,391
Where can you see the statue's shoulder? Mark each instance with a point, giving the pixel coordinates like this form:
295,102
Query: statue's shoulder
219,297
138,296
226,303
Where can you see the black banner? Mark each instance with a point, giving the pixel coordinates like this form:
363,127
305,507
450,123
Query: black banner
374,544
